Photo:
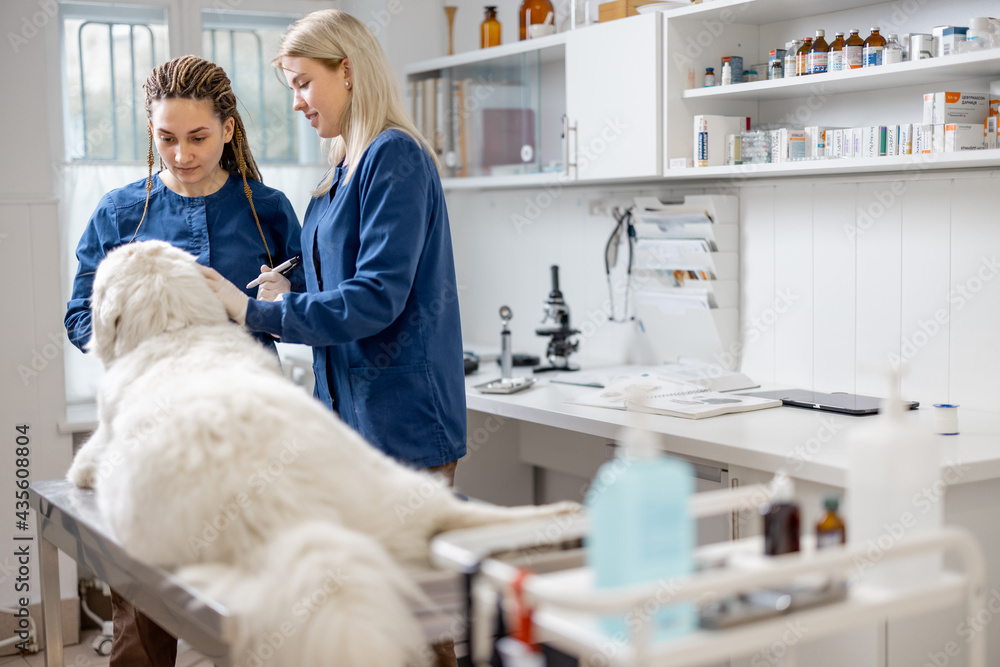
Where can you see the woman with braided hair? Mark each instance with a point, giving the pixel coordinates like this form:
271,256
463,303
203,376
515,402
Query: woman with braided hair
207,199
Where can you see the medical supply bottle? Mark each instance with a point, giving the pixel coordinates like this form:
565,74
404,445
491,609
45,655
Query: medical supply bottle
819,55
894,491
489,30
782,519
873,47
792,58
640,526
854,48
532,12
830,530
727,74
835,63
893,51
802,57
709,77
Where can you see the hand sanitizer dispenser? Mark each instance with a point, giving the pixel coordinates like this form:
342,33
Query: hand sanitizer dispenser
894,490
641,530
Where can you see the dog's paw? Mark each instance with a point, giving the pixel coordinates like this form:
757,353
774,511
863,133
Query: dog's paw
82,473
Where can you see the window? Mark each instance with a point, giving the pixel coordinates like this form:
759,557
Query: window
243,45
109,52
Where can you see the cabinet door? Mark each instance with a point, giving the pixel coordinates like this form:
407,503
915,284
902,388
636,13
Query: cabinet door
613,95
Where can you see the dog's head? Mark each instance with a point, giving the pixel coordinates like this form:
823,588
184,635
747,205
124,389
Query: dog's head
144,289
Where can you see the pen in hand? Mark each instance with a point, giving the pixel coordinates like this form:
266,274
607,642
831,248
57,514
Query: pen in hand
282,268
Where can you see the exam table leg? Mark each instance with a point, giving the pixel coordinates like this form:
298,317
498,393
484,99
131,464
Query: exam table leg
51,604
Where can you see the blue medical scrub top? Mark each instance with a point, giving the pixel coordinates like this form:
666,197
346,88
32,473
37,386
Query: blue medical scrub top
218,229
381,305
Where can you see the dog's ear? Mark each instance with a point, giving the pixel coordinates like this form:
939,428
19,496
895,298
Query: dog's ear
105,318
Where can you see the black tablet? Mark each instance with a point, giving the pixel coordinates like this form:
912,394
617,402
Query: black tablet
848,404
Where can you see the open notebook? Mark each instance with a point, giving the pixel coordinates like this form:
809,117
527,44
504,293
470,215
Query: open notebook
664,396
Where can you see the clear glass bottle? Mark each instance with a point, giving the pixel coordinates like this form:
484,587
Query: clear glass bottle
819,55
873,49
534,12
791,58
709,77
776,70
893,51
854,50
489,30
802,57
835,63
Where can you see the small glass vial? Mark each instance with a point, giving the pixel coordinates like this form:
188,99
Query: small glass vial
776,70
489,31
854,50
830,530
893,51
709,77
835,63
873,49
727,74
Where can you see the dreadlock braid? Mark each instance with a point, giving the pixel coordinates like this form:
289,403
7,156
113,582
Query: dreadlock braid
194,78
149,181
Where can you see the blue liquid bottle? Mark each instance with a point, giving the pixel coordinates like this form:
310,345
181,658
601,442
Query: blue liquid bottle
641,531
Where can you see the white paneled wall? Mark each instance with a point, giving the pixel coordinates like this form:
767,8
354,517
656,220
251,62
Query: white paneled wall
841,278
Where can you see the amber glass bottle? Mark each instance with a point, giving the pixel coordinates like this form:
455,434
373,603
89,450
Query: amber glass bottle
873,48
538,10
836,63
490,29
854,50
802,57
830,530
817,59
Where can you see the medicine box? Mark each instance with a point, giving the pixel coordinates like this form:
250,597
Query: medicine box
736,65
951,36
950,107
619,9
963,137
710,134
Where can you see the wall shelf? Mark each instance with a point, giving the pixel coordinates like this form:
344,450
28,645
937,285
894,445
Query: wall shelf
807,168
757,12
550,48
898,75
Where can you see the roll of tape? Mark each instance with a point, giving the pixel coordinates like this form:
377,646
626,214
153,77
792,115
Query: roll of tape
946,419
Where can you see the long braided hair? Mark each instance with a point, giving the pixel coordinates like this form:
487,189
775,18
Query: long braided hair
194,78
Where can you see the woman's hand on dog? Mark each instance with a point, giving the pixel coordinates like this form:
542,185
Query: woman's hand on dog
231,296
273,286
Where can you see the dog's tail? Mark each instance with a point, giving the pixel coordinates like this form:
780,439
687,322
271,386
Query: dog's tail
318,594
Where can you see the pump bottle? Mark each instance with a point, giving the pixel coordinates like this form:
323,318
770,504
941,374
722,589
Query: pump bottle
894,491
640,526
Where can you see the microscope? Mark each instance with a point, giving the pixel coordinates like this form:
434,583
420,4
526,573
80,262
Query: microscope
560,347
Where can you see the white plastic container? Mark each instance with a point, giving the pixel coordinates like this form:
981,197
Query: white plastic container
894,490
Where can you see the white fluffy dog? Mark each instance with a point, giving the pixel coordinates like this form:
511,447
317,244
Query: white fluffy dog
206,459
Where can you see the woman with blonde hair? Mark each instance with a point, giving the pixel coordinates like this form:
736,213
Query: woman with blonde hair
209,200
380,307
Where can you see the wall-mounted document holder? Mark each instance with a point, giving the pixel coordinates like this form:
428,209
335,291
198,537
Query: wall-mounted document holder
686,268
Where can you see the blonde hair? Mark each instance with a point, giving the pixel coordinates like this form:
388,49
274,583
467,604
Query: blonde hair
194,78
374,103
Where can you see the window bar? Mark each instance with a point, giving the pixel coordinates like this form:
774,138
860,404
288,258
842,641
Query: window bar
83,87
131,60
114,96
260,88
152,64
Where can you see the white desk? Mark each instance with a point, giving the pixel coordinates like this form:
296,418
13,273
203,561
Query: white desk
536,428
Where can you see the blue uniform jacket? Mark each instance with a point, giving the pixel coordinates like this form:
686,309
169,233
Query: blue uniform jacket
218,229
381,306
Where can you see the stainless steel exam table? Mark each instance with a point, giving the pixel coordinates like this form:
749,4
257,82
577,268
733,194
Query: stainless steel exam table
68,521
